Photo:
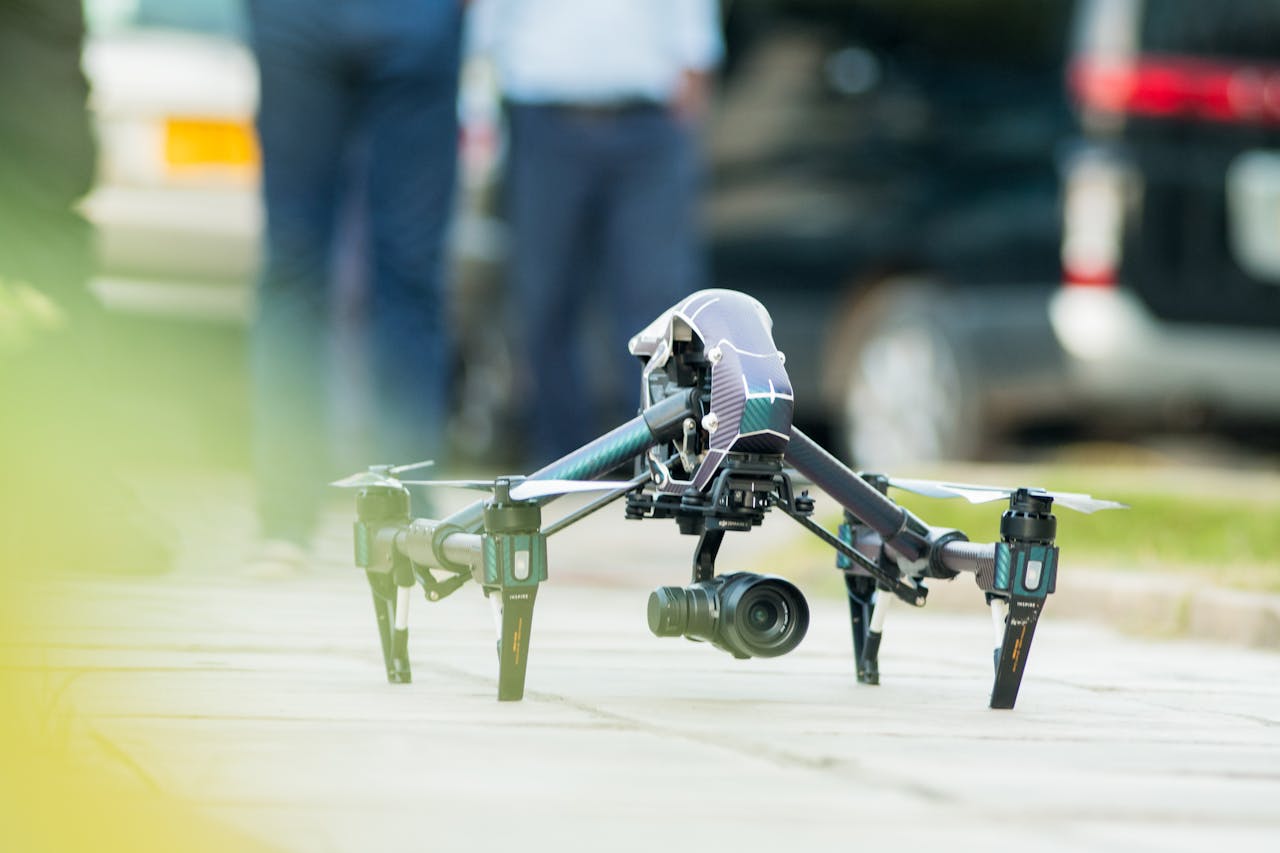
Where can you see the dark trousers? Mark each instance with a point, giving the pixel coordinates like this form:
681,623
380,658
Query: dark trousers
602,209
379,77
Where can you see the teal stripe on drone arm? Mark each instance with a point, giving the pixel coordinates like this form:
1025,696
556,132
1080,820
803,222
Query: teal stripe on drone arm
591,461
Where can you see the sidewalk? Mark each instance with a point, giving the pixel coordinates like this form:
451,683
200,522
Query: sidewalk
267,708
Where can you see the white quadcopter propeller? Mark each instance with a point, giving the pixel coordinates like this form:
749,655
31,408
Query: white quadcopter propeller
976,494
379,475
478,485
413,466
366,478
532,489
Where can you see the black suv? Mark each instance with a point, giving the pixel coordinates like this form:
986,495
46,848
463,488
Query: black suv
967,218
1171,238
885,181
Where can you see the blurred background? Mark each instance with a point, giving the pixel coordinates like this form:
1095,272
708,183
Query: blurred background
1001,241
985,229
988,231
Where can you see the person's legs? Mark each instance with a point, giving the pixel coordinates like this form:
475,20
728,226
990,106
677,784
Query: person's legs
302,124
410,114
651,253
549,199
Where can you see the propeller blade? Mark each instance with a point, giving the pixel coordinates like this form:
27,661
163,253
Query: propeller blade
1087,504
366,478
525,490
933,489
520,489
479,485
378,475
400,469
977,494
531,489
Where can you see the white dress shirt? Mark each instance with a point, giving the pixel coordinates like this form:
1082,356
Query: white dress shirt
595,51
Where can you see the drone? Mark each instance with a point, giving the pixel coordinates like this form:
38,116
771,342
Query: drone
713,447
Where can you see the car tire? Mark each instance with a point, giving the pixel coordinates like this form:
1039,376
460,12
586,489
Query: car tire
906,391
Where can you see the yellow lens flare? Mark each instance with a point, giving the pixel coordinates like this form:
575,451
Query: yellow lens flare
199,143
67,785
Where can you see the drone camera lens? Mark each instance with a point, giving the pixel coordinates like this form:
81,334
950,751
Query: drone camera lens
763,616
766,616
745,614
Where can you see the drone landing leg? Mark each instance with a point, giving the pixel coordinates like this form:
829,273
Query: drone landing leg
999,619
1025,573
513,645
390,606
1011,657
869,663
862,593
515,563
383,591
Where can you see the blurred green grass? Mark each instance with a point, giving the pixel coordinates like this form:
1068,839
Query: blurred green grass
1222,526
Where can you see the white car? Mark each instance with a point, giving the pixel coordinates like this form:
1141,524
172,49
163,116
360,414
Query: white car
177,209
176,205
174,90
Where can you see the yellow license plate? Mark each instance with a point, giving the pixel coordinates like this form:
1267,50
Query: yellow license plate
192,143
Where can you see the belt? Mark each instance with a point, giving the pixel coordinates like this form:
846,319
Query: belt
606,109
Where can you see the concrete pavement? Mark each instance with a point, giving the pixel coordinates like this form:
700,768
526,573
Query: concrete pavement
265,705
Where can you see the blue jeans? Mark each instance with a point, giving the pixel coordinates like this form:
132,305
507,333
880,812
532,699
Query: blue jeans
379,76
602,208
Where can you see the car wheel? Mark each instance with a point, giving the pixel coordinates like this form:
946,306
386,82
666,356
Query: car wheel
908,393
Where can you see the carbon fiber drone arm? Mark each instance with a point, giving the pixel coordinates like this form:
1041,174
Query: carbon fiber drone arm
898,528
453,543
656,424
948,551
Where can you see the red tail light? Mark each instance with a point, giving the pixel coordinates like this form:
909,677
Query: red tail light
1179,87
1084,277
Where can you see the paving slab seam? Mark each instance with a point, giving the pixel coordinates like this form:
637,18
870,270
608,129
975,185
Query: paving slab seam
755,751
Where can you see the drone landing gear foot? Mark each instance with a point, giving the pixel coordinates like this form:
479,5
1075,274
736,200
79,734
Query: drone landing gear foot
393,633
513,644
863,603
869,663
1011,654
